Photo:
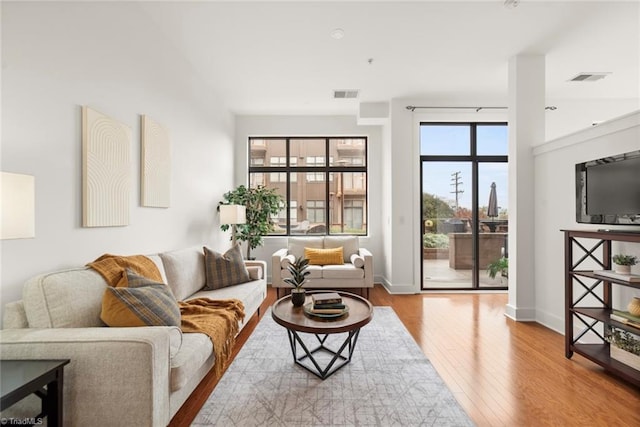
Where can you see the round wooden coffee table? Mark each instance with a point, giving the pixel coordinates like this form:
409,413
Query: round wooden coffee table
296,321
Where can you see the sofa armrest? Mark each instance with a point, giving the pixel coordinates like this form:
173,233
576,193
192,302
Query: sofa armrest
116,376
276,267
368,266
14,315
262,265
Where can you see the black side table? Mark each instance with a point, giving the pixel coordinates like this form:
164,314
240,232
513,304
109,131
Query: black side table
20,378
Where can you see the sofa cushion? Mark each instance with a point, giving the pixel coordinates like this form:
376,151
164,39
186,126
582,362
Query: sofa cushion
158,262
343,271
224,270
297,244
185,271
349,245
175,340
195,349
64,299
324,256
139,301
315,272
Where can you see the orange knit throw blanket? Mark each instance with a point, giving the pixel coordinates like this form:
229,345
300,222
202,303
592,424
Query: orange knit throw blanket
112,266
218,319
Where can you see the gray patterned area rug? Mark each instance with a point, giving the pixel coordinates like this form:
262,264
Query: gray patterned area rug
389,382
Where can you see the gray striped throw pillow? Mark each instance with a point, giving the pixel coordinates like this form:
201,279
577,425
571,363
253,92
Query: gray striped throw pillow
224,269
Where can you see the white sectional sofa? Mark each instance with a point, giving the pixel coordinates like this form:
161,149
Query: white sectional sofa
119,376
356,271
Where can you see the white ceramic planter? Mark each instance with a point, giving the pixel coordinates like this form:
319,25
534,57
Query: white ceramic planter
622,269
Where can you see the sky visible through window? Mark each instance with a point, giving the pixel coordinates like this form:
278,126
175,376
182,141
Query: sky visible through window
453,140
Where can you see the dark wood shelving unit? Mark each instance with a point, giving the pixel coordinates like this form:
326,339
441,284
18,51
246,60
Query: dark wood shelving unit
597,288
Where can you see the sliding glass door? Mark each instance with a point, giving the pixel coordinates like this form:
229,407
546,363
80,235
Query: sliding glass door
465,222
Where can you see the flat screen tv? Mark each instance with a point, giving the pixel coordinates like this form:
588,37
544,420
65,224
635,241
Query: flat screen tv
608,190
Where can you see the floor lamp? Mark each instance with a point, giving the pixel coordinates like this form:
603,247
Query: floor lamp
18,206
232,215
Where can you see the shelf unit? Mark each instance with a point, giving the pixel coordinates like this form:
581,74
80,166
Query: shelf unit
591,318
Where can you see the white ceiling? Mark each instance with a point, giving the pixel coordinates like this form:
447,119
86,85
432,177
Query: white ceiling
279,58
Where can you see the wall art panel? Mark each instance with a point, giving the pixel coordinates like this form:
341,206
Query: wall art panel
106,170
155,185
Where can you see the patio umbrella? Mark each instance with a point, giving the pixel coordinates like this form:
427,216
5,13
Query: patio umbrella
492,208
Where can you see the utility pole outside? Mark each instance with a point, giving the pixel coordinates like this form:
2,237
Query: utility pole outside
455,178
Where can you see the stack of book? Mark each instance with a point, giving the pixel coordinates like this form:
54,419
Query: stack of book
327,303
626,318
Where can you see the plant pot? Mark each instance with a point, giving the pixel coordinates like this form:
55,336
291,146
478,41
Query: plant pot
297,297
622,269
634,306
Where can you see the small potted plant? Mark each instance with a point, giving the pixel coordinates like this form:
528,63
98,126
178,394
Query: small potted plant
623,263
501,265
299,273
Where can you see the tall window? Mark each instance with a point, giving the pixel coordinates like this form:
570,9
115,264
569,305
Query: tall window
464,192
322,179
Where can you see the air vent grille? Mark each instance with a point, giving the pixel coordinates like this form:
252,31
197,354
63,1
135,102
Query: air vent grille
588,77
345,94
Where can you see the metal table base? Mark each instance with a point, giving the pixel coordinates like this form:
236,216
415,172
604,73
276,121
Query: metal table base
309,362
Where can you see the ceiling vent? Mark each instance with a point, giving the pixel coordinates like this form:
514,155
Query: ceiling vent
588,77
345,94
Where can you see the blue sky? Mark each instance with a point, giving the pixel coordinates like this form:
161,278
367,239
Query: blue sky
454,140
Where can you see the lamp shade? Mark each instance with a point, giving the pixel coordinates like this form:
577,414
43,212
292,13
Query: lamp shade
18,206
233,214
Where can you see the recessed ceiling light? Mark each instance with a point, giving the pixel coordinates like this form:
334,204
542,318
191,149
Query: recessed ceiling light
337,34
511,3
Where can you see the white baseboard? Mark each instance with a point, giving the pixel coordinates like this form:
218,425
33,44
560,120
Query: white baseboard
520,314
397,289
550,321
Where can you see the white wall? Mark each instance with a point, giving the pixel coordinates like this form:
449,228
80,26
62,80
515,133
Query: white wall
57,57
572,115
247,126
554,164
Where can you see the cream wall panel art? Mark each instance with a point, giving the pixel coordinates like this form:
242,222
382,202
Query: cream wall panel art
155,157
106,170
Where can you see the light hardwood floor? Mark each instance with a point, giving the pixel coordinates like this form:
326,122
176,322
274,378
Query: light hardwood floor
503,373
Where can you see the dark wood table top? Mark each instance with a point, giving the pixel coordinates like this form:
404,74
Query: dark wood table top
23,377
294,318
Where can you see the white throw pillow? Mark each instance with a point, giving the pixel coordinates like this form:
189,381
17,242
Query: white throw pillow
357,260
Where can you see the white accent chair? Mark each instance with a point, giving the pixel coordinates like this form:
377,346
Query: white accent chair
355,272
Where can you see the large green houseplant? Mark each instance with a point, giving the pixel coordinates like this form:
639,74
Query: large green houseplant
262,204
